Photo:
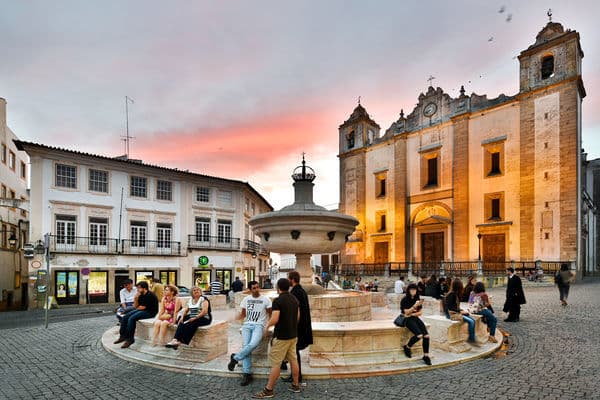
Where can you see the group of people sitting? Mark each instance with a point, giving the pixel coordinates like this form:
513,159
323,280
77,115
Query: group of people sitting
479,303
142,303
359,284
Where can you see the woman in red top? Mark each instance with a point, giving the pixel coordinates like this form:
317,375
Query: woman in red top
166,315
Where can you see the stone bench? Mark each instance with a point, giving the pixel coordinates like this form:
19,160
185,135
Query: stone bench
208,343
378,299
452,336
337,344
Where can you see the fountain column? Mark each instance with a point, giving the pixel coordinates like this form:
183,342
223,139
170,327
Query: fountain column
304,269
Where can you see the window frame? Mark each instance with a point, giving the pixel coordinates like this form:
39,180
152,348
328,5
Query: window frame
163,193
200,195
489,200
97,182
12,160
138,187
23,170
426,181
61,180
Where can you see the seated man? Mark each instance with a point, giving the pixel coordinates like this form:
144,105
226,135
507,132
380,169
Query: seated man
146,306
126,295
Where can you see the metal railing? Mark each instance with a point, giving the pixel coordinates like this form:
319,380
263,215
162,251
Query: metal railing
151,247
80,244
213,242
448,268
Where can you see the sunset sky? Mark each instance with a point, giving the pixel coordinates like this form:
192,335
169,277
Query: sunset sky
240,89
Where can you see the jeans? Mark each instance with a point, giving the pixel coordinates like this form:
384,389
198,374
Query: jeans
491,320
471,322
127,329
121,311
251,337
564,291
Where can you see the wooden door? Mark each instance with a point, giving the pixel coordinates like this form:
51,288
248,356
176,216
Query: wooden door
432,247
493,252
381,252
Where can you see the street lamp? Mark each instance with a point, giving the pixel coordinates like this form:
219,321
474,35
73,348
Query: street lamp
12,240
479,246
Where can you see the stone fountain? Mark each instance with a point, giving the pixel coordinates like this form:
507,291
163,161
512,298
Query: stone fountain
304,228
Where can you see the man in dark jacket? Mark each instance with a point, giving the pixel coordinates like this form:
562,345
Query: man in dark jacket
305,337
514,296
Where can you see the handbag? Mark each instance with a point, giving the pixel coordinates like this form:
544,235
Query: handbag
400,320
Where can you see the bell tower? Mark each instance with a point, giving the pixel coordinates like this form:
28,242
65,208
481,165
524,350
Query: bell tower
357,133
550,92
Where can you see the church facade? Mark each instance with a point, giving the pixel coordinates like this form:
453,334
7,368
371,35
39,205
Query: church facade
471,178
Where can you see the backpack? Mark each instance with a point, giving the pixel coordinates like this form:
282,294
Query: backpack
558,278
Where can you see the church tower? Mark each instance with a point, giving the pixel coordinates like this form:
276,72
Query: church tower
551,92
356,134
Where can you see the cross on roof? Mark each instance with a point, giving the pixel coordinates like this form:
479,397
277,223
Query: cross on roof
430,79
549,14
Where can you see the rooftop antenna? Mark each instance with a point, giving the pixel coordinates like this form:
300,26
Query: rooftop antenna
127,137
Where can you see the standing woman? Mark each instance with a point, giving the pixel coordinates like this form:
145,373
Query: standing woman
412,308
166,314
563,280
196,313
453,307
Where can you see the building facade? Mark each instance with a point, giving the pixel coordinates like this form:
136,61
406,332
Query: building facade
109,219
14,165
471,178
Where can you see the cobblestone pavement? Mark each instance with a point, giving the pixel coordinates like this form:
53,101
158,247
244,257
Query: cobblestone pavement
553,353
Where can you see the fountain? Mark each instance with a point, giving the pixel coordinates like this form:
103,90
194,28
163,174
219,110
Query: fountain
304,228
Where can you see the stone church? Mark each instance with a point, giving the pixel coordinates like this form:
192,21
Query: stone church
468,178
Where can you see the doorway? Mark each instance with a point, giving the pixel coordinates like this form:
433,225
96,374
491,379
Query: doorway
381,251
432,247
493,252
120,278
66,286
224,276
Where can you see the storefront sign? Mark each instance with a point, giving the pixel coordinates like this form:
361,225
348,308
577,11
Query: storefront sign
203,261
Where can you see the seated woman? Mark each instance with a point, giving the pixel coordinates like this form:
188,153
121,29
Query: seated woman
452,307
166,315
479,303
412,308
196,313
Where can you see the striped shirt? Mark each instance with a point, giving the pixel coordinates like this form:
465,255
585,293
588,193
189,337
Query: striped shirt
216,287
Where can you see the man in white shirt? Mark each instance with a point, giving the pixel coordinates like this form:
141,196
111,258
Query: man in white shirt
256,311
399,285
126,295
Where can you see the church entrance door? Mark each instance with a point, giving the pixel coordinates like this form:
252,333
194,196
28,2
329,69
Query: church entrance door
381,252
493,252
432,247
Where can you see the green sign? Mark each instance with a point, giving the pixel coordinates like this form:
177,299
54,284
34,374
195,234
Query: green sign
202,261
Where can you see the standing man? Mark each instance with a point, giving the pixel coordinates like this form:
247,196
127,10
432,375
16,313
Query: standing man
146,306
216,286
126,295
563,280
237,285
305,337
283,345
256,309
158,289
514,296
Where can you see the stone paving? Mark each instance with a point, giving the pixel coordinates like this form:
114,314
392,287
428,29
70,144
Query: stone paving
553,353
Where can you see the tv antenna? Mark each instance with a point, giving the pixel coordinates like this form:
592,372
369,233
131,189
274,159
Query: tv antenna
127,136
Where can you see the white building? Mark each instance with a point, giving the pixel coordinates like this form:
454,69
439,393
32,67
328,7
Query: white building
111,218
13,218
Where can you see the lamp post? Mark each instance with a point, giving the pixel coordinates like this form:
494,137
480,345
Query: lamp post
479,246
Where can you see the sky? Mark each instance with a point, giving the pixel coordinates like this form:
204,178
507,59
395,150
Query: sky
240,89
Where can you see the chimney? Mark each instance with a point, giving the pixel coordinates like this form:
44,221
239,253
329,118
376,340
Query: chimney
2,117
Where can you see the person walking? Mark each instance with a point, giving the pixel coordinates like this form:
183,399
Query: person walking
563,280
412,308
305,336
146,306
514,296
284,317
256,310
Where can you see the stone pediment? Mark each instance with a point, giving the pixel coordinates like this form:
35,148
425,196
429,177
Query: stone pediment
359,114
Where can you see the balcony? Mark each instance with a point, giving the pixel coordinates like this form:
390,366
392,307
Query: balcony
254,247
151,247
213,242
98,245
78,244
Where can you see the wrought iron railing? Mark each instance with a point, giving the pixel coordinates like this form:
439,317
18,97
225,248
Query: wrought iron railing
80,244
213,242
151,247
